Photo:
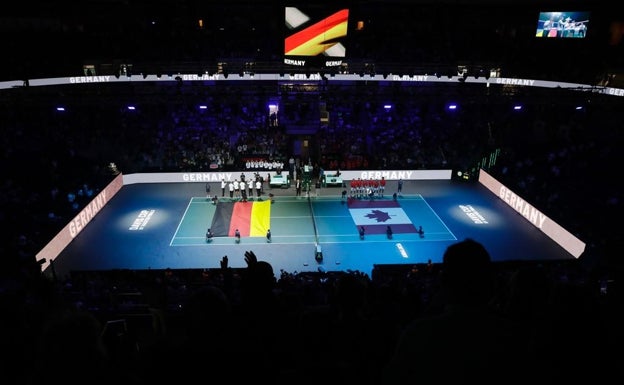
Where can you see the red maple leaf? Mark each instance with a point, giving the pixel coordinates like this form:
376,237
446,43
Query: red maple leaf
378,215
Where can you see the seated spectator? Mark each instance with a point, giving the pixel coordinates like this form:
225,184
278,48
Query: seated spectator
466,341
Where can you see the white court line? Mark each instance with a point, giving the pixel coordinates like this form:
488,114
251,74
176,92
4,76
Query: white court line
440,219
180,222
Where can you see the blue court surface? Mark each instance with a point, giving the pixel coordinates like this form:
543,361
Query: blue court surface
163,225
299,220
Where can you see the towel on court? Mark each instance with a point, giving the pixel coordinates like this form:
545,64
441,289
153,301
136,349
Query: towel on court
376,215
252,219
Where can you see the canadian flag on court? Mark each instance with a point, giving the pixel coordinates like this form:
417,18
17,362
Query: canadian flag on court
376,215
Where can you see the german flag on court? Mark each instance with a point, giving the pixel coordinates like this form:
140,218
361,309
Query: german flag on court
376,215
252,219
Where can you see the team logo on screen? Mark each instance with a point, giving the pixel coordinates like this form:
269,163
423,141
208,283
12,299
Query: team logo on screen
322,37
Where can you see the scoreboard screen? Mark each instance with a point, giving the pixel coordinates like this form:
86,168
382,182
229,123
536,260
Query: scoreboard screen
315,37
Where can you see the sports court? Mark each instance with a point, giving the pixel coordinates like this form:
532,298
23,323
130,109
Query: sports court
163,225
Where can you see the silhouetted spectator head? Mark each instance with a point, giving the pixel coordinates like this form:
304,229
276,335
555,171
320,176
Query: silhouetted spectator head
71,336
467,273
351,294
207,312
259,279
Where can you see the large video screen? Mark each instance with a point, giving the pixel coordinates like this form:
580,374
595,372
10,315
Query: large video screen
315,36
562,25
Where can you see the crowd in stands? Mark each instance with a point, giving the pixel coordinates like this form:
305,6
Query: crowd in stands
348,324
461,320
198,37
560,321
551,154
